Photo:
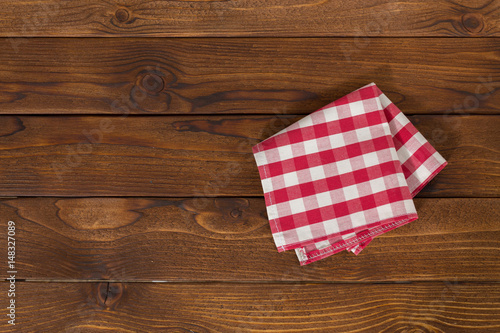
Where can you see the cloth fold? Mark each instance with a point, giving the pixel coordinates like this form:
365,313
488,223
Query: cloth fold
343,175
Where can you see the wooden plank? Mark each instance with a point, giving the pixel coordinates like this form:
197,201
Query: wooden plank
145,307
244,75
249,18
201,156
229,239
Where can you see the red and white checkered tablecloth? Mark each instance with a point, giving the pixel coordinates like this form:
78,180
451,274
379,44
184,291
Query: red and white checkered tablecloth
343,175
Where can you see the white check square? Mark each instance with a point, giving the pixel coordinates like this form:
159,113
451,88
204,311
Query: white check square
291,179
344,166
311,146
285,152
324,199
297,206
337,140
357,108
331,114
377,184
351,192
371,159
317,172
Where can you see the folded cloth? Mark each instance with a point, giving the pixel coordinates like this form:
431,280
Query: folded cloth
343,175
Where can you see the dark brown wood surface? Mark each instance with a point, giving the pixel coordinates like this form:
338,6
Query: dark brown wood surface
244,75
202,155
228,239
126,164
249,18
238,307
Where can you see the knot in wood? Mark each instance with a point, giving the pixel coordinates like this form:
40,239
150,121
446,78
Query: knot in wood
122,15
235,213
153,83
473,22
109,294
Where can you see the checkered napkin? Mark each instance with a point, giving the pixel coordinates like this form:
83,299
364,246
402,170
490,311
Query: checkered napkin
343,175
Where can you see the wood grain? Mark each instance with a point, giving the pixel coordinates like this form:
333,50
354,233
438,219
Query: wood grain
249,18
139,204
228,239
141,307
201,156
244,75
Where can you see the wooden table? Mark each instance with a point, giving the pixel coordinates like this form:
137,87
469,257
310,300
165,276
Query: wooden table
125,163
